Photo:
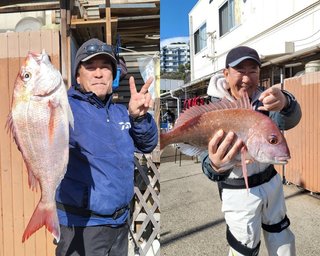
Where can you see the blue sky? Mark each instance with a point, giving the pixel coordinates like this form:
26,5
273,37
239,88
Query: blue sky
174,19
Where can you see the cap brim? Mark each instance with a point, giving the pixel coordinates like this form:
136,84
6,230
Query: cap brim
236,62
96,54
112,58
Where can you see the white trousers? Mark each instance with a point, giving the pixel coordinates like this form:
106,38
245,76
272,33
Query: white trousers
245,211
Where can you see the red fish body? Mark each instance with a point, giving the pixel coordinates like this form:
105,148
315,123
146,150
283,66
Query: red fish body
197,125
39,122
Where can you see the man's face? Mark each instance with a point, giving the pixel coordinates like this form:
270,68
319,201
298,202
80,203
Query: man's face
95,75
243,77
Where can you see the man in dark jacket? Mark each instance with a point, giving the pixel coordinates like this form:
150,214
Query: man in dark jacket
93,197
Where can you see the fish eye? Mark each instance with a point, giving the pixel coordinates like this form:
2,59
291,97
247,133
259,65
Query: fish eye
26,76
273,139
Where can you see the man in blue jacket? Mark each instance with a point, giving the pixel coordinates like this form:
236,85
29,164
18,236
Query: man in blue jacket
93,198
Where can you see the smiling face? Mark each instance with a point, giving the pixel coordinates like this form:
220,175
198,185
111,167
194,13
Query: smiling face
95,75
243,77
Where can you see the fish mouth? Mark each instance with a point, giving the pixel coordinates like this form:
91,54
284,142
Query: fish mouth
36,56
281,159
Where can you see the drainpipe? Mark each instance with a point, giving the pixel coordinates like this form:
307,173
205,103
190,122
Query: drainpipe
282,70
178,102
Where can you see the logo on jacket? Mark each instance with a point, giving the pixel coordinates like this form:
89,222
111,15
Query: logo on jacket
125,125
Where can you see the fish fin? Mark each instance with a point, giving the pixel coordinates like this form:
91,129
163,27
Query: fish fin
9,126
43,216
9,123
189,150
242,103
244,167
11,130
32,180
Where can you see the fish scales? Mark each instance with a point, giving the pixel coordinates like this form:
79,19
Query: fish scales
32,134
210,122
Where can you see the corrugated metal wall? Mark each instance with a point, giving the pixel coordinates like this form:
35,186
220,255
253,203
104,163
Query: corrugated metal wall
17,201
304,139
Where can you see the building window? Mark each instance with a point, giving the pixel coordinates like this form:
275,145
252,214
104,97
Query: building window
228,17
200,38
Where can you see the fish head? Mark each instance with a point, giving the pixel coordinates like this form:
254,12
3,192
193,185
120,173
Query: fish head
266,144
37,77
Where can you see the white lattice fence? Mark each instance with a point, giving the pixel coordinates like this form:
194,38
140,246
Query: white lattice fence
146,207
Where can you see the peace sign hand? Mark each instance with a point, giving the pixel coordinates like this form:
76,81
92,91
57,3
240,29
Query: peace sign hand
141,101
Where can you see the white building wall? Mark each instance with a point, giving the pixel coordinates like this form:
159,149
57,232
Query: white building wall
265,25
31,20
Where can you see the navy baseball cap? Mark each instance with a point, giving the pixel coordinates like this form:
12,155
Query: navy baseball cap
91,48
241,53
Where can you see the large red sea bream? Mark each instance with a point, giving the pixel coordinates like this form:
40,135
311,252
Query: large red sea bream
39,122
195,127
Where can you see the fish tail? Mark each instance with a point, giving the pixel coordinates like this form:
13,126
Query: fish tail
244,167
43,215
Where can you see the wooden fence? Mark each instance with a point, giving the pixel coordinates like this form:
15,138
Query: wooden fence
17,201
304,139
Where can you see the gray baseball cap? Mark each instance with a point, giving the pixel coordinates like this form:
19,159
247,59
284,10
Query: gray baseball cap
91,48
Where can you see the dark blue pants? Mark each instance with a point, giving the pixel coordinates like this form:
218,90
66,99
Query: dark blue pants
93,241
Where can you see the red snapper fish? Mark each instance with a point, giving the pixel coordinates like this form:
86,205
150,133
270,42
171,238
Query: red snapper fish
39,122
195,127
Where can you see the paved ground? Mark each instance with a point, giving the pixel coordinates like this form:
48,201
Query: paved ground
192,222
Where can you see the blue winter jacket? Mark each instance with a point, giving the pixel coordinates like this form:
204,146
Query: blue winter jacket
100,171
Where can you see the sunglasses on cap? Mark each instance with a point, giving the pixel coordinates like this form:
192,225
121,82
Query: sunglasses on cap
94,48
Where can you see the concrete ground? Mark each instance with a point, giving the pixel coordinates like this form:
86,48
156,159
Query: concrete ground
191,218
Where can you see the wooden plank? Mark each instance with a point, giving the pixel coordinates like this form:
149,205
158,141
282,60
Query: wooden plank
64,41
317,130
83,22
7,173
16,41
5,144
56,49
108,26
54,5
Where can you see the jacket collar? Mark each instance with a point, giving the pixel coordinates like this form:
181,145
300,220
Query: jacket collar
90,97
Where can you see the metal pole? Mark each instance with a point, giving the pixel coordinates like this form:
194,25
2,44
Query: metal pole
282,69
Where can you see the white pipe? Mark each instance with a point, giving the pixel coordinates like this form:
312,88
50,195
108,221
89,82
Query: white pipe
178,101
